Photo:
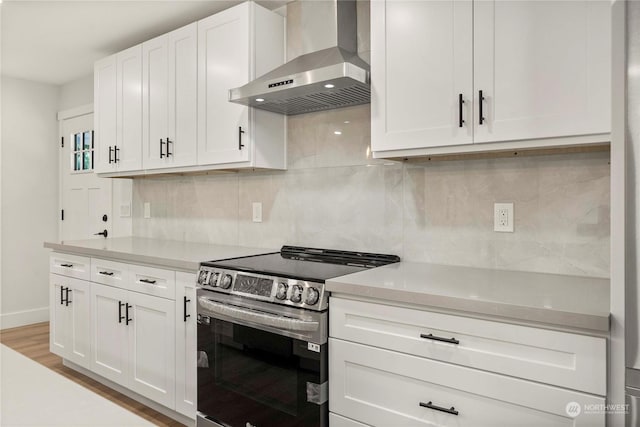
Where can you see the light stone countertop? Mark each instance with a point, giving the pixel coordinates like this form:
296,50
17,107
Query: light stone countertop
167,253
552,299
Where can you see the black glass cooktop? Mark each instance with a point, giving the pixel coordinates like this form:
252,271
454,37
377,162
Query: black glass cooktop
310,264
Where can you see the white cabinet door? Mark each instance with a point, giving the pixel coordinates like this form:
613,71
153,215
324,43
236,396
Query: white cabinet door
104,105
169,82
421,62
155,105
543,68
223,63
151,340
128,153
186,344
109,333
59,319
78,304
69,319
183,96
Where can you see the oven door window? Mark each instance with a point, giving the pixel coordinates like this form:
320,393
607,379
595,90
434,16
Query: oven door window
246,375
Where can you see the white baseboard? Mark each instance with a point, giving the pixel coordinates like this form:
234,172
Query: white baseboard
26,317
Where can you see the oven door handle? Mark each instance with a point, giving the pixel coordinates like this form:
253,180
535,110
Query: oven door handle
257,317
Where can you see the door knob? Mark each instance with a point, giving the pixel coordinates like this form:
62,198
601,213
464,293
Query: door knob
104,218
103,233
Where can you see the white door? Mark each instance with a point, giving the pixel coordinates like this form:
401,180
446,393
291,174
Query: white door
128,154
543,68
152,347
421,90
85,199
109,333
223,62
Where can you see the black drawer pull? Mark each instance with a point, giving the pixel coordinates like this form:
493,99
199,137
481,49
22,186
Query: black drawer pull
240,132
460,102
61,295
67,302
66,265
430,405
151,282
169,153
161,148
436,338
481,99
106,273
127,307
120,316
185,301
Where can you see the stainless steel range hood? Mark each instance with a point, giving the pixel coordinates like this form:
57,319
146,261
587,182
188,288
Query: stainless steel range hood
327,74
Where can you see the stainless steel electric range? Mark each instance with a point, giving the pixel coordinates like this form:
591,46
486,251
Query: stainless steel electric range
262,336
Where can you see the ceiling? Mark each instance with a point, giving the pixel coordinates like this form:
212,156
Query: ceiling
58,41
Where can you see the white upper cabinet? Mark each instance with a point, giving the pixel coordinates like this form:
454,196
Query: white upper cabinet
163,106
118,112
422,73
542,69
104,98
128,150
169,94
235,46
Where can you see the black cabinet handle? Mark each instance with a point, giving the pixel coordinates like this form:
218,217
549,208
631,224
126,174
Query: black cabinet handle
120,316
460,102
116,150
110,149
127,307
104,233
67,302
185,301
481,101
66,265
430,405
151,282
436,338
161,150
106,273
169,142
61,295
240,132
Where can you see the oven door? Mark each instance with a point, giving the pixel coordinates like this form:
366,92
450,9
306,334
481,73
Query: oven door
250,374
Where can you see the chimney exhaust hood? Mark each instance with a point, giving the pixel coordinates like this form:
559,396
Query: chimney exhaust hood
328,74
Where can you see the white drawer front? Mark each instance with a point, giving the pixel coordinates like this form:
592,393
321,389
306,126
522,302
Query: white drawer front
70,265
552,357
110,273
338,421
153,281
385,388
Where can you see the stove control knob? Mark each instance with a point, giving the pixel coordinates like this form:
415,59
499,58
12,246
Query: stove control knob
312,296
202,277
296,293
213,279
225,282
281,292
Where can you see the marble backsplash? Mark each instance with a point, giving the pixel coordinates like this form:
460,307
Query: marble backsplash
335,195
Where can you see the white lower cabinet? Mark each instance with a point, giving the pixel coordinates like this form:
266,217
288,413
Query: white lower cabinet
69,310
186,344
134,341
392,366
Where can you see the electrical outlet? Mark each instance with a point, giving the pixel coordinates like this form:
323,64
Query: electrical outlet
147,210
503,217
257,211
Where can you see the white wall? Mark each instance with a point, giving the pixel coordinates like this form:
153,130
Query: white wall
29,198
76,93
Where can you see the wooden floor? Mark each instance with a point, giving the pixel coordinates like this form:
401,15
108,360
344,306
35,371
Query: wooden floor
33,342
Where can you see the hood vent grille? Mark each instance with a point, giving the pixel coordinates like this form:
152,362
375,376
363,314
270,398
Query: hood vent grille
343,97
